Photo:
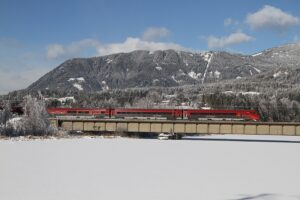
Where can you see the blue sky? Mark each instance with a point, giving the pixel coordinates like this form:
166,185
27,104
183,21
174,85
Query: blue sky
37,35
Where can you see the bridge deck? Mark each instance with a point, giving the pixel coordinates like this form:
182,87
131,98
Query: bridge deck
178,126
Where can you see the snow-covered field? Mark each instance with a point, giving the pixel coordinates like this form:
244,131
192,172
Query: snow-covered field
138,169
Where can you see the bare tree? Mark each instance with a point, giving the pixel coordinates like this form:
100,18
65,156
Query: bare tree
36,117
33,122
5,115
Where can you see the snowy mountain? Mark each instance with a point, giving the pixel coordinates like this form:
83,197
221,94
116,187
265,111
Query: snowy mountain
282,56
169,68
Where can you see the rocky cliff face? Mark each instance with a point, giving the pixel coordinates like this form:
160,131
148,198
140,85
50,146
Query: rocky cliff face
169,68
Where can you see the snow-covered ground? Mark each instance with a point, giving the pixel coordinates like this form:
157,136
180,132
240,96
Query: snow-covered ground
228,167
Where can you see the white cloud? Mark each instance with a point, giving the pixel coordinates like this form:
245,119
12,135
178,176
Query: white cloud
155,33
132,44
271,18
234,38
55,51
58,51
148,41
230,21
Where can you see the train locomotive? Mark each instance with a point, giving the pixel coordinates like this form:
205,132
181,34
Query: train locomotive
156,114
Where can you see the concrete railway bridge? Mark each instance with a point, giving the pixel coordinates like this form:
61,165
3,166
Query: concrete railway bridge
182,127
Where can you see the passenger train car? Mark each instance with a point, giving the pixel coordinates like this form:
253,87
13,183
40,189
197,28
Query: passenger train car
170,114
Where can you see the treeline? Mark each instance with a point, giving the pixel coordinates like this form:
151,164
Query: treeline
272,108
275,101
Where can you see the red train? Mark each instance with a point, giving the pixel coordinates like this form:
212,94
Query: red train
173,114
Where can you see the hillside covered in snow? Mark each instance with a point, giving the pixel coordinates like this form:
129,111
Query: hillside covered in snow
169,68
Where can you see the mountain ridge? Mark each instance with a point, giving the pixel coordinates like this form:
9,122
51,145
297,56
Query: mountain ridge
167,68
